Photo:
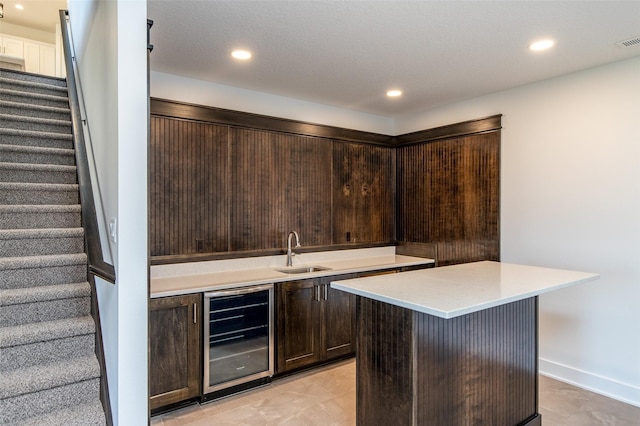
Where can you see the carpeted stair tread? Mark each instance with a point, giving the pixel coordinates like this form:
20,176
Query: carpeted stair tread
27,76
38,193
39,294
23,122
15,234
26,334
22,407
27,262
32,138
37,150
41,241
37,173
34,98
89,414
38,167
31,109
24,216
40,208
41,377
33,86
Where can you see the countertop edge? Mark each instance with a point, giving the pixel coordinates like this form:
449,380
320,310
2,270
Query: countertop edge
449,314
287,277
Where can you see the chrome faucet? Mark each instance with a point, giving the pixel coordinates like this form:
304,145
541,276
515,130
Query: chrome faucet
290,253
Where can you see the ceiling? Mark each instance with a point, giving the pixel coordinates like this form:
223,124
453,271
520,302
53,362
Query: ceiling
349,53
39,14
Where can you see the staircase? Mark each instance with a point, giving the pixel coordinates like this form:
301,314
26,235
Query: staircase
49,373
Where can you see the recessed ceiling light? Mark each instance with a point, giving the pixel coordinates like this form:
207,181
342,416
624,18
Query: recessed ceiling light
19,7
541,45
243,55
394,93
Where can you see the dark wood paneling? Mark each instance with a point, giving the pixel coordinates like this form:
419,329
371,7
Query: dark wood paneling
219,191
174,349
465,128
281,183
479,368
362,193
384,371
161,107
189,189
448,195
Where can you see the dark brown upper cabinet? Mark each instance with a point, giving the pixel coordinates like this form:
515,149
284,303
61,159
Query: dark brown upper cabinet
189,187
230,184
448,195
362,193
280,183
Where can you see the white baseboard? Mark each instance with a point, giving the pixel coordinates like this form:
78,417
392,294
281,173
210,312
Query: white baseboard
611,388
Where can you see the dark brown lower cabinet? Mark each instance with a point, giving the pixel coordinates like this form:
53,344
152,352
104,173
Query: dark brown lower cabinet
314,323
174,349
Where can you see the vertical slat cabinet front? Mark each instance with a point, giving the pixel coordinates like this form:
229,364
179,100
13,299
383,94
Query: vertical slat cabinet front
174,349
449,195
298,331
188,187
362,193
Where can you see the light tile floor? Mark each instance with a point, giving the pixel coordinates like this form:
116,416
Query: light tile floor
326,396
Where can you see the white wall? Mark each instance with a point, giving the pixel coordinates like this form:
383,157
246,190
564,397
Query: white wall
110,40
30,33
570,198
167,86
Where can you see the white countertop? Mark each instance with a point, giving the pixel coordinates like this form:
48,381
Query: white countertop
173,280
451,291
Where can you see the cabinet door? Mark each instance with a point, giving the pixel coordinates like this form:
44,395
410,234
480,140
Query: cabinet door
47,60
339,325
297,318
174,349
12,47
32,57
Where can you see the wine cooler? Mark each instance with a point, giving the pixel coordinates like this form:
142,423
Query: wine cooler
238,336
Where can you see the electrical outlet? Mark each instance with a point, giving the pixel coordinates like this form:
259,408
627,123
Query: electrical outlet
113,230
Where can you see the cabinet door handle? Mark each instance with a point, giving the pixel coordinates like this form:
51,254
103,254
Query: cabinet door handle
326,291
316,293
195,313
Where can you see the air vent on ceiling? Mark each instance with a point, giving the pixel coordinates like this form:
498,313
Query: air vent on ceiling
629,43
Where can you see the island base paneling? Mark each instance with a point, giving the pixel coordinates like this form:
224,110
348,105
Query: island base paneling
418,369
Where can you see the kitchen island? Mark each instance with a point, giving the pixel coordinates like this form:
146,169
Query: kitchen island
455,345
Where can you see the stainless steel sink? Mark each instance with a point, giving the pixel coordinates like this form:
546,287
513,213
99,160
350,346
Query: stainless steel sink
303,269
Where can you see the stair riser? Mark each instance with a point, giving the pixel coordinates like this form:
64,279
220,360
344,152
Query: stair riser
23,140
23,356
33,277
23,406
37,158
26,98
60,82
39,220
35,125
49,310
9,196
35,88
37,176
41,247
34,112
